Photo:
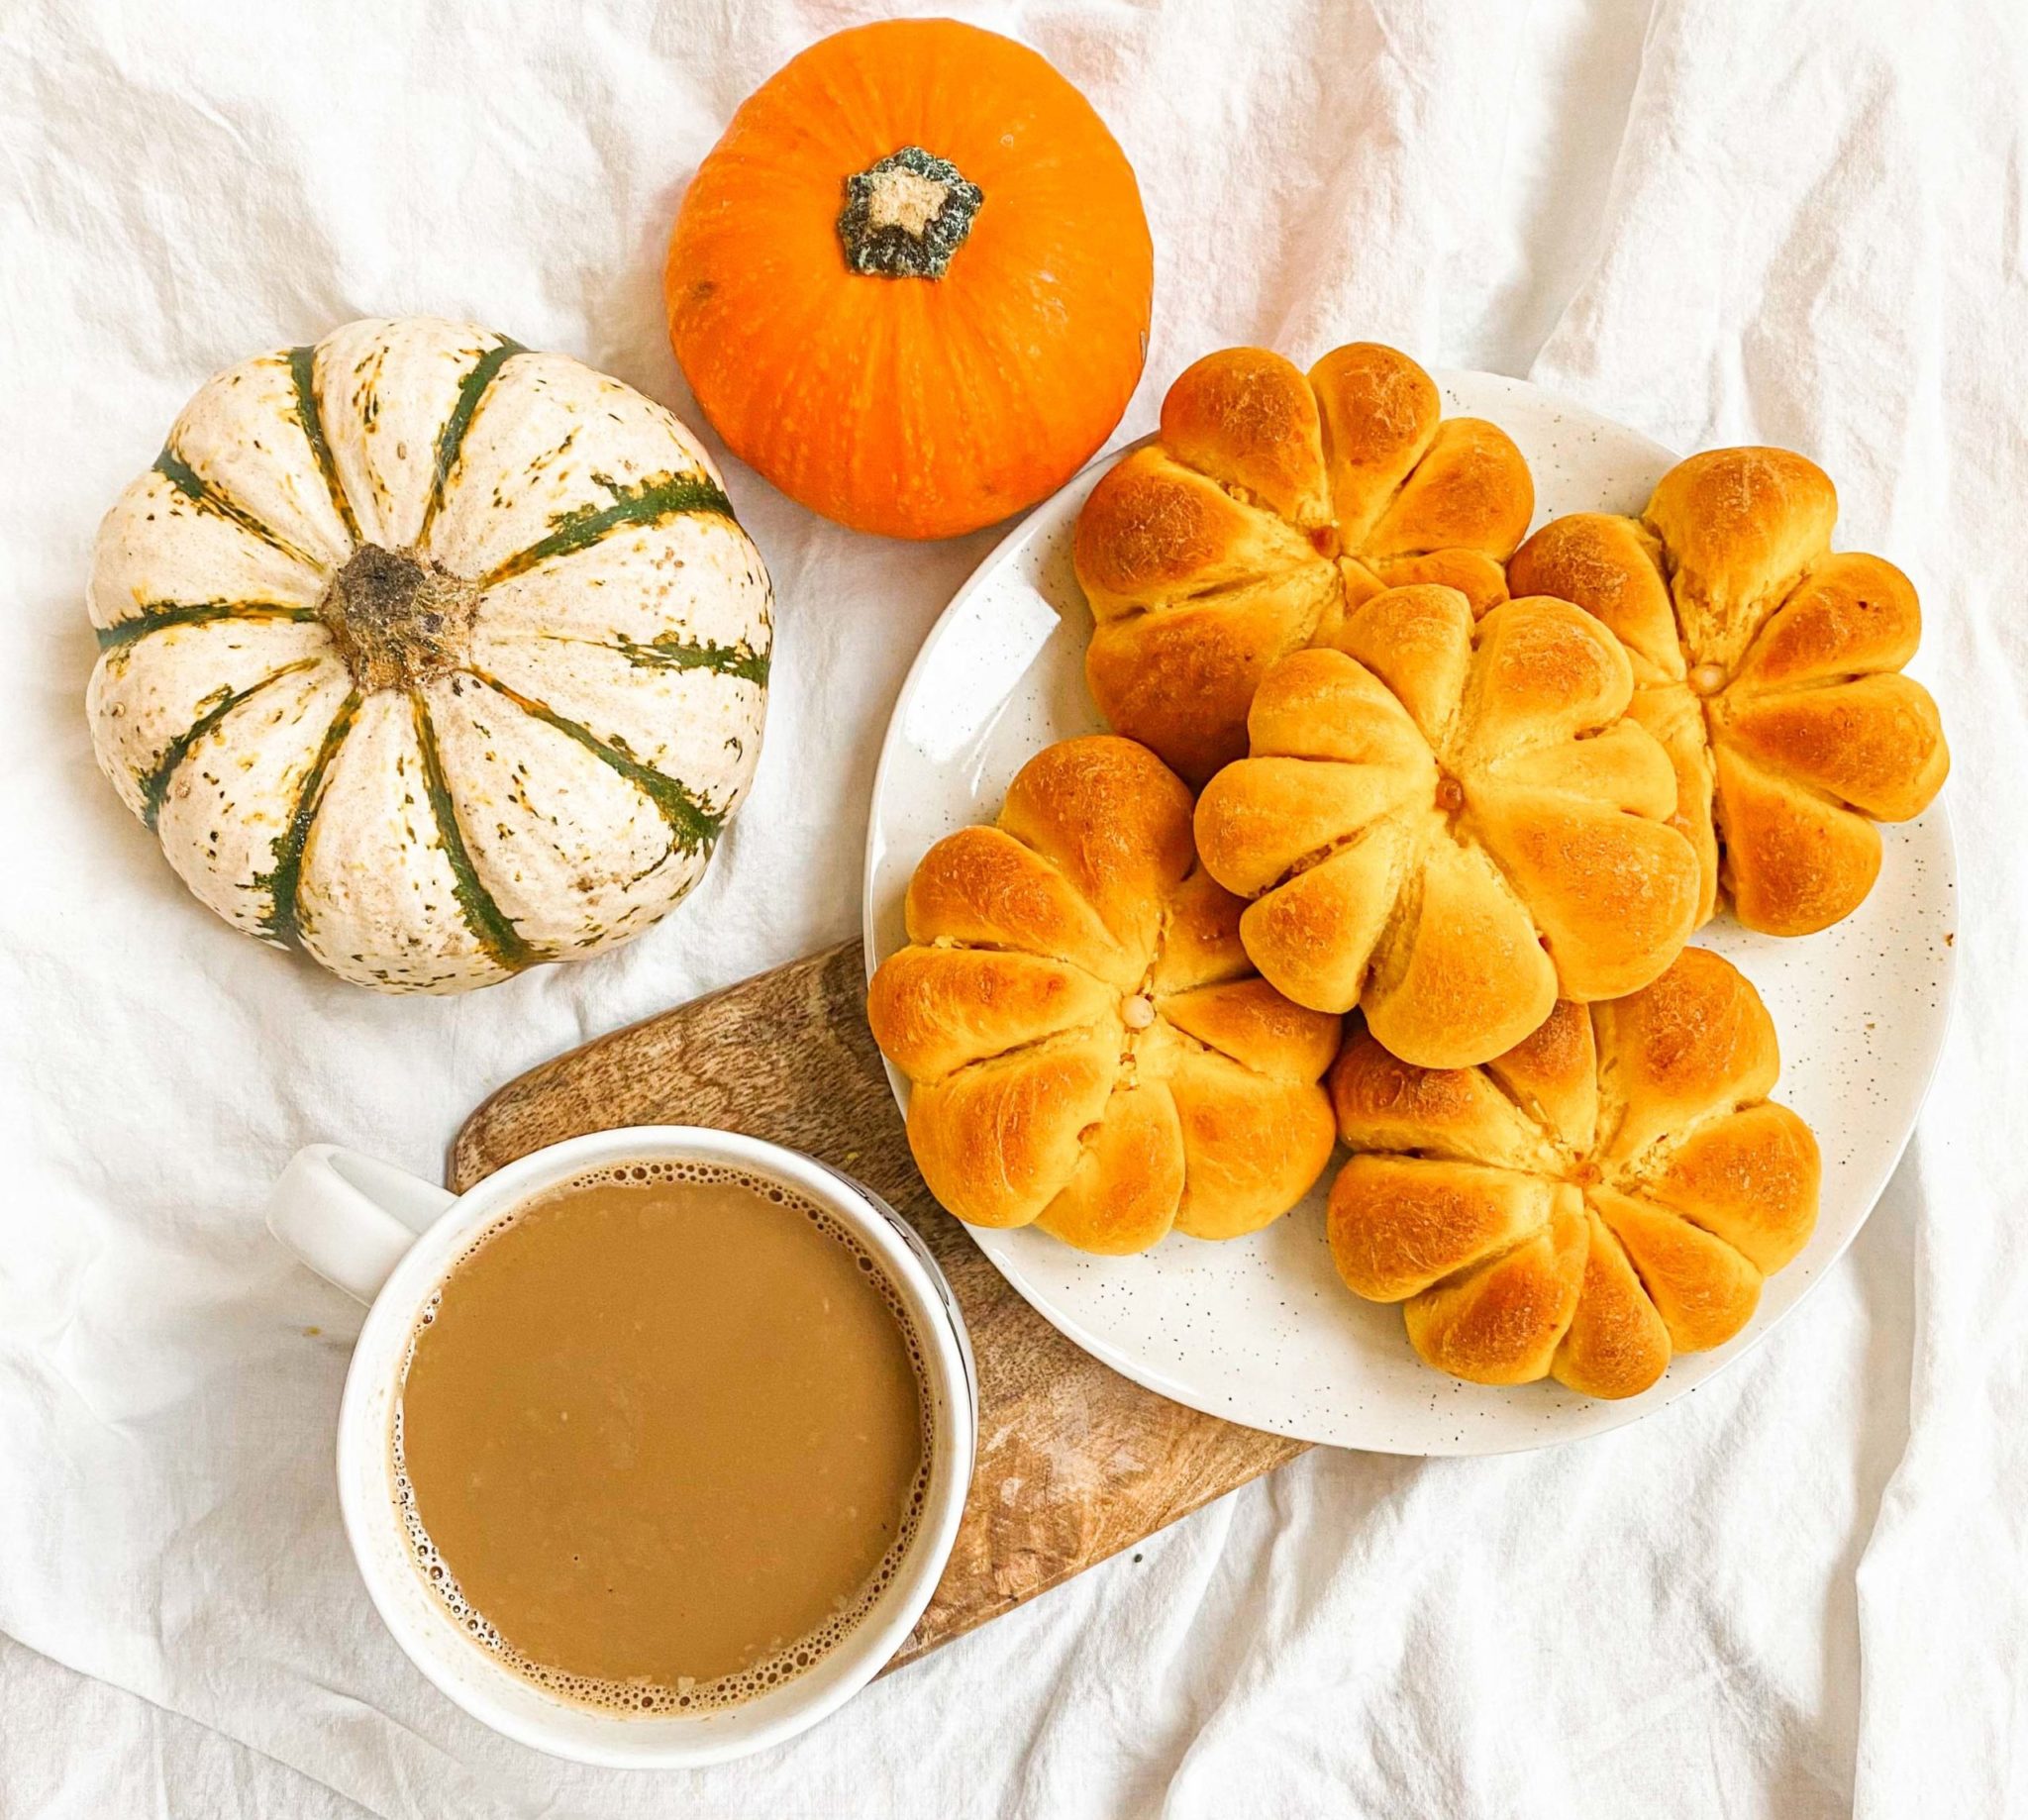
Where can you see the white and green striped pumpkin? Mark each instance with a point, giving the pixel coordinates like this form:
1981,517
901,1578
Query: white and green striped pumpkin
431,655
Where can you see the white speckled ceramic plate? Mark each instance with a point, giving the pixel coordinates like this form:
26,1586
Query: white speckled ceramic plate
1259,1328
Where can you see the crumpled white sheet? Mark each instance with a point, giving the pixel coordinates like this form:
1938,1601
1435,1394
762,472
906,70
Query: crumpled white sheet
1798,1592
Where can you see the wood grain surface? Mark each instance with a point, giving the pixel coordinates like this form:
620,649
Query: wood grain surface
1076,1463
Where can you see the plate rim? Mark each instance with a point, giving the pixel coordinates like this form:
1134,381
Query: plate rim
1604,1416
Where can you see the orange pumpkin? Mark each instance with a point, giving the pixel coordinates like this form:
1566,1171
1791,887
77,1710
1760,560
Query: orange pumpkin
911,283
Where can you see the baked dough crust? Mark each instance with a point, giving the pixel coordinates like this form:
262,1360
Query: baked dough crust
1447,822
1271,504
1613,1191
1769,667
1088,1046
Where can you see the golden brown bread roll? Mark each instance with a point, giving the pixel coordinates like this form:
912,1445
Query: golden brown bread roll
1271,503
1087,1044
1769,669
1613,1191
1447,822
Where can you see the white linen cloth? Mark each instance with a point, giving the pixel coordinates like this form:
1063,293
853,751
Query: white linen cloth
1798,1592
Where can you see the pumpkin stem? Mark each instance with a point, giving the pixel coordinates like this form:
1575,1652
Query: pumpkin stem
397,617
906,216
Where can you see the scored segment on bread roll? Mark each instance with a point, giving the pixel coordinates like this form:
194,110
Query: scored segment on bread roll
1769,669
1613,1191
1088,1045
1269,505
1447,822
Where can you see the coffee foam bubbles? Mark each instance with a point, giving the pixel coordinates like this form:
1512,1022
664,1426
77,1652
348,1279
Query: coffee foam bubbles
654,1699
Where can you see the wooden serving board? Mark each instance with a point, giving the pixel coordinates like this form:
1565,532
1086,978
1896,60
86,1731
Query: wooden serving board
1075,1462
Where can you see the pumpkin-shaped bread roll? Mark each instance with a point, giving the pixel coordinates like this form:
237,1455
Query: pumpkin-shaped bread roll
1087,1047
1613,1191
1770,667
1448,822
1271,503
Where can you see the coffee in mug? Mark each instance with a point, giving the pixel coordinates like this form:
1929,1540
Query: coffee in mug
661,1436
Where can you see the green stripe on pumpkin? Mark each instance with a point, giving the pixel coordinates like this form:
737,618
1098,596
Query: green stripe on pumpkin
303,369
155,787
672,650
451,439
693,823
650,502
282,923
201,493
490,926
158,618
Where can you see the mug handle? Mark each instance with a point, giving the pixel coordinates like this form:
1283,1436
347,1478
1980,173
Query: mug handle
351,1218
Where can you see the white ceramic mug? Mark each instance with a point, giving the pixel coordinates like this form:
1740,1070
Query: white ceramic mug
388,1239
